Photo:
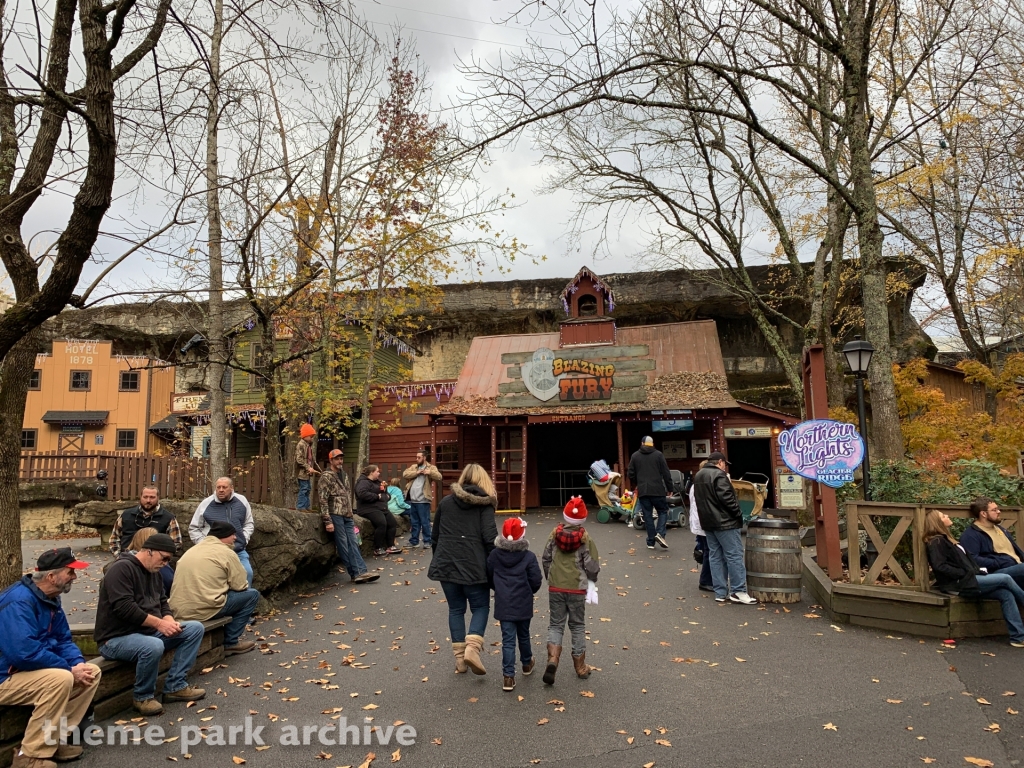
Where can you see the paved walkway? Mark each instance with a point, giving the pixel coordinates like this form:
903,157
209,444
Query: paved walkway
681,681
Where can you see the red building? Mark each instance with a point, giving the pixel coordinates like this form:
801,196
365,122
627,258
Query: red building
538,409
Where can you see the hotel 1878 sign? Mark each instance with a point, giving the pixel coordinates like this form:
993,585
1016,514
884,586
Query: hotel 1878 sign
547,377
823,450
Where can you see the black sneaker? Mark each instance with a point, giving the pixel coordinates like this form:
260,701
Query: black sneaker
702,588
661,540
379,552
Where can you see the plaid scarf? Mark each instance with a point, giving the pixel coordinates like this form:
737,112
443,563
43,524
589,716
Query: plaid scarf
569,539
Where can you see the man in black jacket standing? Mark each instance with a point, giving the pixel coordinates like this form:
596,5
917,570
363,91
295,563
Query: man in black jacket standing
648,471
721,518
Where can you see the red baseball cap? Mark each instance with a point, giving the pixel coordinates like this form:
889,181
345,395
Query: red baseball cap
53,559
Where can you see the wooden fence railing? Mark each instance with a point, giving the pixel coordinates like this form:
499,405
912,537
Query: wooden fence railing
909,517
175,477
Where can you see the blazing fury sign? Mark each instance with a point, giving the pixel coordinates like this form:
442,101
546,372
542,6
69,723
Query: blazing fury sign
571,379
599,374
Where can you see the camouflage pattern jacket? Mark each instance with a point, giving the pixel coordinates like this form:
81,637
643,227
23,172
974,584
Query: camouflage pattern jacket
335,495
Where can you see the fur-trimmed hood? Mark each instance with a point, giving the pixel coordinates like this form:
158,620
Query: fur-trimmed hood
519,545
472,496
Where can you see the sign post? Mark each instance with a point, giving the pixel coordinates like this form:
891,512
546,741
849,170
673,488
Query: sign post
823,498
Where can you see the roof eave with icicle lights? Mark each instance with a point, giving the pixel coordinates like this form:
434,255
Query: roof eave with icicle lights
574,285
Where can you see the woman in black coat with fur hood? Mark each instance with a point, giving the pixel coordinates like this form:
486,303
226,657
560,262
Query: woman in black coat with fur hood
463,536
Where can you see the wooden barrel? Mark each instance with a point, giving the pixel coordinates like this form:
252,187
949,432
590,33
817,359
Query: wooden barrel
774,567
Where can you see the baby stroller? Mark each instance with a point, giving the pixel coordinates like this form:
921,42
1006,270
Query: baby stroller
607,493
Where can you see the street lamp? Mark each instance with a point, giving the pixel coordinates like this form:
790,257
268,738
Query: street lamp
858,357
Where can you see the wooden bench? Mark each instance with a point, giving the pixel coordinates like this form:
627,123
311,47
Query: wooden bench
114,693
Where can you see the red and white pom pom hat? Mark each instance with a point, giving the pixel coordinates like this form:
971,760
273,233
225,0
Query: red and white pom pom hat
575,511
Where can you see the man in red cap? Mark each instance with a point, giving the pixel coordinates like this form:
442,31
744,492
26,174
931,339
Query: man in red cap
305,464
40,665
336,513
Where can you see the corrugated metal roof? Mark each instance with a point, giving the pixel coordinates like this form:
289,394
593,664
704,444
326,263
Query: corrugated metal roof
674,347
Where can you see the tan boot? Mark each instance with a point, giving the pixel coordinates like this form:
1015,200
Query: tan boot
24,761
580,663
67,752
474,647
554,652
460,658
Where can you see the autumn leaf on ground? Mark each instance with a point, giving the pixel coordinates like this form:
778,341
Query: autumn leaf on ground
396,755
370,757
739,659
322,756
811,616
556,701
370,706
543,721
927,759
663,742
264,747
436,741
630,740
829,727
474,700
649,765
238,760
991,728
1009,693
980,762
894,701
983,701
1012,711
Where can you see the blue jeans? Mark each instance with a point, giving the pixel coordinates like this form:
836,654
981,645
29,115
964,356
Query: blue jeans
511,631
303,501
146,651
478,597
239,606
347,546
704,580
1014,571
728,573
419,518
1002,587
247,564
659,503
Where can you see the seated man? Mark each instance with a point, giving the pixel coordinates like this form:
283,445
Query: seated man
40,665
146,514
991,545
225,504
134,623
210,582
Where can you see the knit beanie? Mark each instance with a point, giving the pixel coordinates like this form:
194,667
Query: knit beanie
307,430
575,512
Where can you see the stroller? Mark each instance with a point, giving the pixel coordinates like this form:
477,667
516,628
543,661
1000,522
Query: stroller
610,506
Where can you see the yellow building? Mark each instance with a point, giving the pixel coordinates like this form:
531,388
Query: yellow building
84,398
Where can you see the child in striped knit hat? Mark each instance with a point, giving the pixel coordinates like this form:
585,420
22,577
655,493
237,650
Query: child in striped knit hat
571,566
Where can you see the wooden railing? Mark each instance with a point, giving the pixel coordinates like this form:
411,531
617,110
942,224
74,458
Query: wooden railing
909,517
175,477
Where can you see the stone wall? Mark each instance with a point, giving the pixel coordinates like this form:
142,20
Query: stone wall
47,509
288,547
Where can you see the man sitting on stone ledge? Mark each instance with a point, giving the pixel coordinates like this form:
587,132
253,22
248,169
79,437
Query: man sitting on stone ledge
210,582
40,665
134,623
225,504
146,514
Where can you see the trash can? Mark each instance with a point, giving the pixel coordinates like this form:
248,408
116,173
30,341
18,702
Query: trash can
772,557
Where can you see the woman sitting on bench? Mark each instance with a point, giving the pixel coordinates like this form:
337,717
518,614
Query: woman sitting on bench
956,573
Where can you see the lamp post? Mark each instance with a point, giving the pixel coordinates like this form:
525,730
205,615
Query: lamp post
858,357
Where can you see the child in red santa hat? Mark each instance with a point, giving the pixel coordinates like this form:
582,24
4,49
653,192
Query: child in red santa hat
514,575
571,566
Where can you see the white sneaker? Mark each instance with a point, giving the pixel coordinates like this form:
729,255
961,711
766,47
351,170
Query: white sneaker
742,597
661,540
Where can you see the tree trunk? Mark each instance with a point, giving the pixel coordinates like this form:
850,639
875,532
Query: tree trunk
215,337
886,434
363,454
275,458
14,372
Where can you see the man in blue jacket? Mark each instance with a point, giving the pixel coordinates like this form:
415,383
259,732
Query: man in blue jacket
990,544
40,665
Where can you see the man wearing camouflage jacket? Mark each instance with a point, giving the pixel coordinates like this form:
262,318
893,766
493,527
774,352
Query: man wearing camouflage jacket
336,512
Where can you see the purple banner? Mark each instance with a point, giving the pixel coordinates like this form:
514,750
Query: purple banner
823,450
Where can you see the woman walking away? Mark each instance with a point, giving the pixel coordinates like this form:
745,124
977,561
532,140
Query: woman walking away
956,573
462,538
372,503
